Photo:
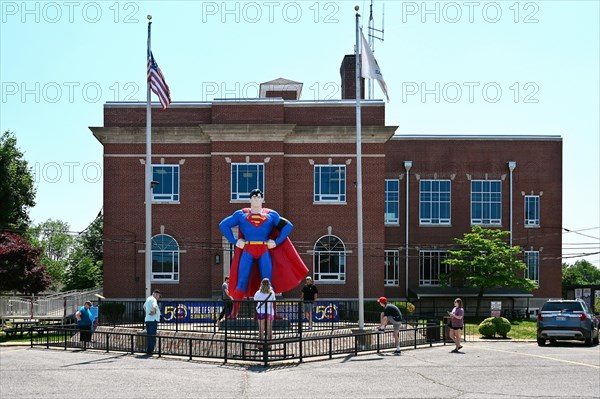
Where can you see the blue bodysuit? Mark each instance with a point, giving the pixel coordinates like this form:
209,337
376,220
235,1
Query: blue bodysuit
255,229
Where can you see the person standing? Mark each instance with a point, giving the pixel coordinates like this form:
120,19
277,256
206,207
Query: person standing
390,315
152,318
227,300
309,296
265,311
456,323
84,324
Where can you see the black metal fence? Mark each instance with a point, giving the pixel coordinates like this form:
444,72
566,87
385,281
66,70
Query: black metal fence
242,347
201,316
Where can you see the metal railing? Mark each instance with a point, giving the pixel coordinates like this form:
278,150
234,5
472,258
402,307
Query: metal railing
246,347
58,305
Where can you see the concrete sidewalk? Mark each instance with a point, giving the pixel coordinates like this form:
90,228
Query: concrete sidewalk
482,370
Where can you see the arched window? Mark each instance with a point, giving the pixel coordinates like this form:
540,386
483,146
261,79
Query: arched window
165,258
330,259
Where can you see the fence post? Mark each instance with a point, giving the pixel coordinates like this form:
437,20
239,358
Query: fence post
225,341
301,342
415,340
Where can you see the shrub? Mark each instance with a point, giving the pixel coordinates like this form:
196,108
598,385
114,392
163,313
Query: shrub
494,325
487,328
502,326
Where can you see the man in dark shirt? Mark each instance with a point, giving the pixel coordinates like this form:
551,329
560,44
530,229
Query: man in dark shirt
227,300
309,296
390,315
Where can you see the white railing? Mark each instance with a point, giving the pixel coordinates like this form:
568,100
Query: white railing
56,305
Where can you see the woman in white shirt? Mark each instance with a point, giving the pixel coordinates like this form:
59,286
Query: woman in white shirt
265,312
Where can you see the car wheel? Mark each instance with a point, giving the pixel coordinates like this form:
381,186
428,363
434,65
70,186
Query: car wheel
541,341
588,341
597,339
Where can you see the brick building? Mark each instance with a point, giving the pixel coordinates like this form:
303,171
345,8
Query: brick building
207,157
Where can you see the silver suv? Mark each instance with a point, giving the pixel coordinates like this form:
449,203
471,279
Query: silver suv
563,319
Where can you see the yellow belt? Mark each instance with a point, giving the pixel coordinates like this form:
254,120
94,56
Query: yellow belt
256,242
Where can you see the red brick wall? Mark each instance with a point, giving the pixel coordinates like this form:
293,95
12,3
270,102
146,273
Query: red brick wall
205,196
539,169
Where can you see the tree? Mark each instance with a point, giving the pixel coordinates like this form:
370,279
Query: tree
17,192
580,273
20,267
54,239
484,260
84,268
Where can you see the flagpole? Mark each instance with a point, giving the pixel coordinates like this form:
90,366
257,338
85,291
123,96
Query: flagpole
359,216
148,178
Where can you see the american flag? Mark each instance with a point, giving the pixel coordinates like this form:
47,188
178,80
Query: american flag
158,83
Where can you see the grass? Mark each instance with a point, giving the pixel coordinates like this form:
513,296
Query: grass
520,329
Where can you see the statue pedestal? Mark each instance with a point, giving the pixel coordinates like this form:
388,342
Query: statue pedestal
246,324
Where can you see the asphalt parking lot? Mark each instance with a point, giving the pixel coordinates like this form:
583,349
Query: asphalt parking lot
482,370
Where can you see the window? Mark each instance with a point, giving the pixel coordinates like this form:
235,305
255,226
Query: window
167,189
532,260
432,267
486,202
330,259
532,210
165,258
392,268
392,201
245,177
434,202
330,183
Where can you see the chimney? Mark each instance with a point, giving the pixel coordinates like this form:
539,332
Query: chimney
348,74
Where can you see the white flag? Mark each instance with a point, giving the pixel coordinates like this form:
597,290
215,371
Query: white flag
369,69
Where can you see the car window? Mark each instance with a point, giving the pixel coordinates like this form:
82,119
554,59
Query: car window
562,307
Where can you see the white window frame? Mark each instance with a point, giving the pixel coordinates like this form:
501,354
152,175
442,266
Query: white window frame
435,201
327,197
174,194
535,221
391,266
324,256
486,201
168,276
392,202
532,261
240,195
435,271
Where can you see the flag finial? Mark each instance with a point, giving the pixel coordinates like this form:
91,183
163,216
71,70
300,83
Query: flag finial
149,17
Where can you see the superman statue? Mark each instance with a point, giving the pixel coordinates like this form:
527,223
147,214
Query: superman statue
263,239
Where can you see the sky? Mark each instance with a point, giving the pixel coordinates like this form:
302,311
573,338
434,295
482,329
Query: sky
451,67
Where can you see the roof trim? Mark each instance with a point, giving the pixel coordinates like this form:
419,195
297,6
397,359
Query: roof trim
400,136
242,101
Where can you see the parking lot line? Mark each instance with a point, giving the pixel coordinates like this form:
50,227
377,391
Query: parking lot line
543,357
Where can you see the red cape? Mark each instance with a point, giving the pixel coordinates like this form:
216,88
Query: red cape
288,270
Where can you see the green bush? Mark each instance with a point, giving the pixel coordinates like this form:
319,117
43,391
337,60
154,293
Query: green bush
502,326
494,325
487,329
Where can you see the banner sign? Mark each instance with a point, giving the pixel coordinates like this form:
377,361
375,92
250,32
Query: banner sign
207,312
322,311
190,312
